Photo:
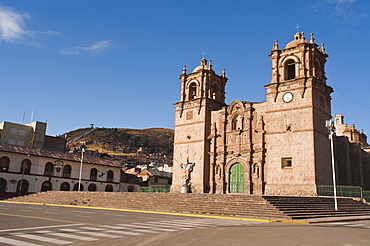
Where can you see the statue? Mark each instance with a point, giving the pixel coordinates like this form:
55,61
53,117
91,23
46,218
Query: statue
187,167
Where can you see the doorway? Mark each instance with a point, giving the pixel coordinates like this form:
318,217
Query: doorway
237,178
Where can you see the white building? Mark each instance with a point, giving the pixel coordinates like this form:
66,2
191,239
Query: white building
38,170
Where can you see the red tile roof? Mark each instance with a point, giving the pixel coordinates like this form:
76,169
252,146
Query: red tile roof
56,155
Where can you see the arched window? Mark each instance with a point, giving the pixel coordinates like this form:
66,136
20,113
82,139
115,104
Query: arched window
93,174
49,169
215,92
110,176
46,185
67,170
75,187
237,123
109,188
318,69
290,69
4,164
65,186
192,91
26,166
92,187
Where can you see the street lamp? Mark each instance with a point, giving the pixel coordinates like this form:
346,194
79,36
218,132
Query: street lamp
331,128
82,158
21,184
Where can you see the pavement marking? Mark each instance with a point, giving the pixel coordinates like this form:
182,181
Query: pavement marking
33,207
50,213
91,233
16,242
38,227
156,224
152,227
124,228
84,216
338,223
40,238
114,231
72,236
5,208
197,225
41,218
123,215
25,210
352,225
85,212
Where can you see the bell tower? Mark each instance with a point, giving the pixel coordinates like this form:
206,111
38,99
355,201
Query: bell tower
298,102
202,91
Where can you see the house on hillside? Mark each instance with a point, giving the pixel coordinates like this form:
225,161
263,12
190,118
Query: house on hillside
129,182
153,178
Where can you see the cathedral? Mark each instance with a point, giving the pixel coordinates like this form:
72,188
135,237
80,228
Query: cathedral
276,147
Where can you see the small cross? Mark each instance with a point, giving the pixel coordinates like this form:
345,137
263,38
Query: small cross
203,53
297,27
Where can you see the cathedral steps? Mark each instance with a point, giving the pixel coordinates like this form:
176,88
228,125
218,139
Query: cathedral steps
317,207
269,207
214,204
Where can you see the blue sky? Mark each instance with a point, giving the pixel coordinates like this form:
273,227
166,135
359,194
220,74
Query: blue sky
116,63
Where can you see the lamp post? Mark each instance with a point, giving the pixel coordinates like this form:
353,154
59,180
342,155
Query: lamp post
331,128
82,158
21,184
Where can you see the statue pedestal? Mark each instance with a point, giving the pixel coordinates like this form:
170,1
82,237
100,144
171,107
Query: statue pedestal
185,189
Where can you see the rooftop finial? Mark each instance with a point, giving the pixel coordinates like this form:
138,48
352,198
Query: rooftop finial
275,46
312,40
223,73
203,53
203,62
322,48
184,70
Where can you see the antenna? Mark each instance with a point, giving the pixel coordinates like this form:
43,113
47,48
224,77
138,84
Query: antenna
24,114
32,116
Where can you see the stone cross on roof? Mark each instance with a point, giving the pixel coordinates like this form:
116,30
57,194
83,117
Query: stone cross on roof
297,27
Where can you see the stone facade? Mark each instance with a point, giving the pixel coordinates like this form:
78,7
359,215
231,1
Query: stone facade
352,154
276,147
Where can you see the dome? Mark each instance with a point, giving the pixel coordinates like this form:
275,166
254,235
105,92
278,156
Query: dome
203,65
298,39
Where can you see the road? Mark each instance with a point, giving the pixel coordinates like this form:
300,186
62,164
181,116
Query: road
31,225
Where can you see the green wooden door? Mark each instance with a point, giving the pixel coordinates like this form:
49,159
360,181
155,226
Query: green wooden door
237,178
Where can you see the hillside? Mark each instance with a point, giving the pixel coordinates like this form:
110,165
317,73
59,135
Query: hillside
159,140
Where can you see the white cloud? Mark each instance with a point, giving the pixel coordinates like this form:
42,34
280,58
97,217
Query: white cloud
341,1
98,48
13,26
341,11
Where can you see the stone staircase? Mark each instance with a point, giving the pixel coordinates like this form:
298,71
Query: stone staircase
254,206
317,207
214,204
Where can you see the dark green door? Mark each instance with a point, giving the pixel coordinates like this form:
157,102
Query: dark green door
237,178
